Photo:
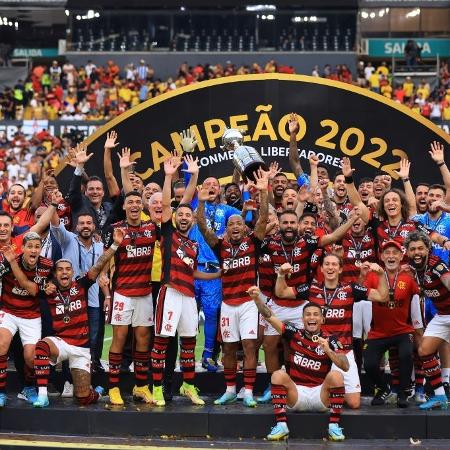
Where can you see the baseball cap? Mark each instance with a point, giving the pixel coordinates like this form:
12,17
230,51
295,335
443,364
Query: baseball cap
391,244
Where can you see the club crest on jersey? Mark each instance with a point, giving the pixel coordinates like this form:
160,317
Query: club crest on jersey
297,251
341,295
319,351
427,278
366,239
148,233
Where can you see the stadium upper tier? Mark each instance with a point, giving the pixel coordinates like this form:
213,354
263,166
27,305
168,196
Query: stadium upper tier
331,32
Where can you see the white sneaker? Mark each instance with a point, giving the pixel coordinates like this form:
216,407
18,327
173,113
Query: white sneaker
241,393
67,391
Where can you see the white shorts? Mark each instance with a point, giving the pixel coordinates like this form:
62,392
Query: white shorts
439,327
362,317
417,313
239,322
134,311
308,399
79,357
351,378
285,314
30,330
175,312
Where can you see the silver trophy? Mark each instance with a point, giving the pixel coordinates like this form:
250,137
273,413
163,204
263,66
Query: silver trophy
232,139
247,160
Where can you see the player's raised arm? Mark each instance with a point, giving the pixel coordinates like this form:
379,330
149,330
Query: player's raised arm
264,310
208,234
352,192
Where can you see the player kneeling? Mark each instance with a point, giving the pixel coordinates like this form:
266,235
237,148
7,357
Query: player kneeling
67,300
312,385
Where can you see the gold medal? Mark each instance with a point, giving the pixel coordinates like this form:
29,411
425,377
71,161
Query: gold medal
358,263
66,319
391,304
315,338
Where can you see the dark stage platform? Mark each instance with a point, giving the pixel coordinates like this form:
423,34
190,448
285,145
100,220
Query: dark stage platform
181,419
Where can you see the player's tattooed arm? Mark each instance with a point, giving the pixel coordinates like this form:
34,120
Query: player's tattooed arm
209,235
118,236
337,358
263,309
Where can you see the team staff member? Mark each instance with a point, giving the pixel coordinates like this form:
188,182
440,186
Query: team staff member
337,301
176,308
312,384
67,299
391,324
132,303
238,254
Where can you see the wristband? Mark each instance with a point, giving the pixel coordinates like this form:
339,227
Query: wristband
279,275
78,171
348,180
55,205
441,164
114,247
405,180
108,296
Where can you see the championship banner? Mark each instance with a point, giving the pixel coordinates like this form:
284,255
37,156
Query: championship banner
336,120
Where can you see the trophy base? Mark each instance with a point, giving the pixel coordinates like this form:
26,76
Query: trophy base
251,168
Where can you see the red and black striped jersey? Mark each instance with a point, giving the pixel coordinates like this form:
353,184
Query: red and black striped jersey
357,248
134,258
309,365
64,211
384,232
434,288
337,307
179,259
297,254
69,311
16,300
239,268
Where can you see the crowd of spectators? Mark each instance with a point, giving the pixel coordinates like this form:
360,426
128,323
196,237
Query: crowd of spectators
94,92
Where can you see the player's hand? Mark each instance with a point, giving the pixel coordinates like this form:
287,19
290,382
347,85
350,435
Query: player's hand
56,196
203,194
171,165
118,235
403,172
374,267
81,155
293,124
9,254
125,158
324,344
103,280
285,269
347,167
261,179
313,160
274,170
437,152
254,292
188,142
111,138
50,288
192,165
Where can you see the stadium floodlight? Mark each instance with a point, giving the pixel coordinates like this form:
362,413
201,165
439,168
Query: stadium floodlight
270,17
381,13
364,14
78,17
16,25
182,8
372,15
97,14
67,12
253,8
90,14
